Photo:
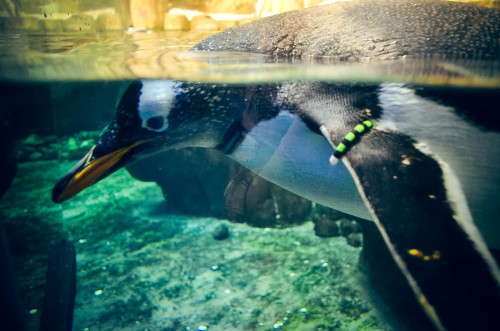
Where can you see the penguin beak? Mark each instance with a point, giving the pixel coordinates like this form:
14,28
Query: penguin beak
89,170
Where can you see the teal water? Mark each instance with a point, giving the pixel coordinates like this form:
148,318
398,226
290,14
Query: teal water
141,268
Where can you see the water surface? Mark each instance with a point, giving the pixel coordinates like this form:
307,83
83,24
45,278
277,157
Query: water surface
162,55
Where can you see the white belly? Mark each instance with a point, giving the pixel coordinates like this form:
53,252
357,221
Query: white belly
284,151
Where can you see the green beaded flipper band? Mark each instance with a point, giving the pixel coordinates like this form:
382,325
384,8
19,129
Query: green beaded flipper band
351,138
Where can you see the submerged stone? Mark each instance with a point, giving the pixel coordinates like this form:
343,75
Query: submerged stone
221,232
354,239
348,226
325,227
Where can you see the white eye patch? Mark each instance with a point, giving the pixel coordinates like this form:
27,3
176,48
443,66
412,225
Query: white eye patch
156,101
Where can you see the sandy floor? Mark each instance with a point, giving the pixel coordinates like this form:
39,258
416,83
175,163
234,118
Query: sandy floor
142,269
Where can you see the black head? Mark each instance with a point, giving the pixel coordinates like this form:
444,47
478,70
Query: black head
154,116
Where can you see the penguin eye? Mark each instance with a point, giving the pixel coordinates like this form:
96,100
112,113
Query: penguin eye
155,123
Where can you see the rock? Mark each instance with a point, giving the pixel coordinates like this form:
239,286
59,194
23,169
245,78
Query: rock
235,195
325,227
291,208
35,156
30,23
354,239
311,3
221,232
348,226
259,204
193,180
108,22
52,25
76,23
87,143
147,14
68,214
231,6
48,153
72,144
33,140
204,23
175,22
320,210
276,7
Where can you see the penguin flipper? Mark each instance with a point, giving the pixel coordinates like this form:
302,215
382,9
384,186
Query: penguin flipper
426,224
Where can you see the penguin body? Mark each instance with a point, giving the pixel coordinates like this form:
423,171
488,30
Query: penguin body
368,30
409,163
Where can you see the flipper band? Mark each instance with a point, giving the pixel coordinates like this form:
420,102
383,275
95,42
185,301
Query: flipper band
351,137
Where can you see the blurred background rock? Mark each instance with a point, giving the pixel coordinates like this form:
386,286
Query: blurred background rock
55,16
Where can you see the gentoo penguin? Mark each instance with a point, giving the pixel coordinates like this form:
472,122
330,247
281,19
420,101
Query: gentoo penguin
420,169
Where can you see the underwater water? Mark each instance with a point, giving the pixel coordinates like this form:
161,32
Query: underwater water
148,259
142,267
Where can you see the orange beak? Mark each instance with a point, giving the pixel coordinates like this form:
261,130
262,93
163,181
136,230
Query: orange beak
87,172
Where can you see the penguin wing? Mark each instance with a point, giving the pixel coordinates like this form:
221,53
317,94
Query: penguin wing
418,207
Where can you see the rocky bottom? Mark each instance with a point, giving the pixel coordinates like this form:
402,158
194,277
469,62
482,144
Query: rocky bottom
139,268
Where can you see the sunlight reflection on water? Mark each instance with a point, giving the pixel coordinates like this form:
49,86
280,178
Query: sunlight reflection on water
164,55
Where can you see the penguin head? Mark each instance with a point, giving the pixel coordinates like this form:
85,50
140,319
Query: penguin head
154,116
